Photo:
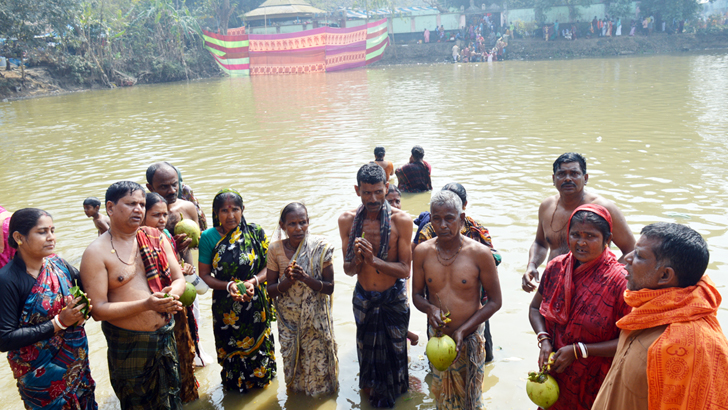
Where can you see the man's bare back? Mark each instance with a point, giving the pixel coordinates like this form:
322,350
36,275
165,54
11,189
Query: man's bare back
102,224
401,232
455,288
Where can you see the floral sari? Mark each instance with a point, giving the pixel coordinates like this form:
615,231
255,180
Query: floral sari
243,339
53,373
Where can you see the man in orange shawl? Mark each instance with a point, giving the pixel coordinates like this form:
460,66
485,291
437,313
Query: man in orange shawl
672,352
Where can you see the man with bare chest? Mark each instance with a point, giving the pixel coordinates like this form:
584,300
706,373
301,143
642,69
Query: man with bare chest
131,274
453,267
376,243
163,179
569,178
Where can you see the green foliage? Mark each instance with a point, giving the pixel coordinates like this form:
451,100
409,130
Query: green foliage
670,9
621,9
25,19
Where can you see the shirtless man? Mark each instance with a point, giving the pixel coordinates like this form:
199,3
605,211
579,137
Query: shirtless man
135,290
569,178
91,207
376,243
379,159
453,267
162,178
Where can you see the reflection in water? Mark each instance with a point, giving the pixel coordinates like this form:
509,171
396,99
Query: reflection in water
653,131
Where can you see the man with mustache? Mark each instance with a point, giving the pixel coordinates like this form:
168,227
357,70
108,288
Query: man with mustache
163,179
376,241
569,178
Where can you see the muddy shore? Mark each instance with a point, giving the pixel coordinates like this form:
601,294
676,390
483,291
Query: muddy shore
40,81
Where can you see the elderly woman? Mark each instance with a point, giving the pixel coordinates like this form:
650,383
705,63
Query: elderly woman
41,323
301,279
575,311
234,251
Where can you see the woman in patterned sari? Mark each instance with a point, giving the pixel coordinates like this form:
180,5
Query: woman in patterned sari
233,251
301,279
41,324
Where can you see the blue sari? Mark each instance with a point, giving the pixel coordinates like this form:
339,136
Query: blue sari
53,373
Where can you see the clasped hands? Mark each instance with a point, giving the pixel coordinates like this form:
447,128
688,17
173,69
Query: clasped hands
363,251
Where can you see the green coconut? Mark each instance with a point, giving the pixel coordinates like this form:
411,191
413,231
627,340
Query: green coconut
189,228
542,389
189,295
441,351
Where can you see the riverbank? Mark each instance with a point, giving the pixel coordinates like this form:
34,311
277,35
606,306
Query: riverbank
43,80
537,49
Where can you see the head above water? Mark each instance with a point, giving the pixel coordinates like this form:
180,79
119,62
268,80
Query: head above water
22,222
224,196
91,206
379,153
120,189
681,248
371,173
163,179
568,158
418,153
91,201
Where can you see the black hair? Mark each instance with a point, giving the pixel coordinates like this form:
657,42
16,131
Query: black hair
371,173
91,201
379,152
154,168
292,207
220,200
22,221
154,198
570,157
418,152
393,188
458,189
681,248
597,220
120,189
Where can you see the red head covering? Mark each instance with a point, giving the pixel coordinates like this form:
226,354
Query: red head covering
556,307
594,208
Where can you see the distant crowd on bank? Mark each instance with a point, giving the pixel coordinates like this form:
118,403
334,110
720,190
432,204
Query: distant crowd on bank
479,41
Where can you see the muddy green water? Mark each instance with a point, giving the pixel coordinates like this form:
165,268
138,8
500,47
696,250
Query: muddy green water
654,131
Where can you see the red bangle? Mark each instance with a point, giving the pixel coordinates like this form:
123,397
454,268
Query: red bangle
63,325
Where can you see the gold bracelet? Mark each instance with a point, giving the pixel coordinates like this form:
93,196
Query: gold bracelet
322,286
575,355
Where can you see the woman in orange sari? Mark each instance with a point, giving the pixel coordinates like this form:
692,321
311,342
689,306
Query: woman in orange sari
575,311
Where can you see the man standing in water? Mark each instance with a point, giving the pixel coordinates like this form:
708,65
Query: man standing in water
453,268
569,178
380,302
132,275
163,179
415,175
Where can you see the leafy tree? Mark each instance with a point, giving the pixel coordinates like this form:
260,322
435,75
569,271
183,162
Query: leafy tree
25,19
670,9
621,9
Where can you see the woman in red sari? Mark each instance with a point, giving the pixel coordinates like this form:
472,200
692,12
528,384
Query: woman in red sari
575,311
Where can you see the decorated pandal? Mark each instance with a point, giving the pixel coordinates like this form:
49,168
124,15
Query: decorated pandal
318,50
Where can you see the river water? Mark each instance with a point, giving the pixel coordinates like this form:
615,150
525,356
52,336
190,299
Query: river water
653,130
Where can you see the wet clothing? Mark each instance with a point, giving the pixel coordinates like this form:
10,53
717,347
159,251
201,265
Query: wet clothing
461,385
305,321
243,339
414,177
52,369
686,364
143,367
382,319
583,304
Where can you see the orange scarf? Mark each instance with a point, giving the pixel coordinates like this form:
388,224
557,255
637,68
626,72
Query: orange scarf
687,365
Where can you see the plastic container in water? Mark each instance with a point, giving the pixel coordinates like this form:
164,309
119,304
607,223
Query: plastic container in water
198,283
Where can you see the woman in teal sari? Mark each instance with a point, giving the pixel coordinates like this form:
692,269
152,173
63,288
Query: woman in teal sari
230,252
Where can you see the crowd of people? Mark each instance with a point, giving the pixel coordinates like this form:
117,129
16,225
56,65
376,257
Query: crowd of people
636,332
479,41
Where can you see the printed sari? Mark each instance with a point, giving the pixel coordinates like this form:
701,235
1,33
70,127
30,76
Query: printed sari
243,339
305,321
53,373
